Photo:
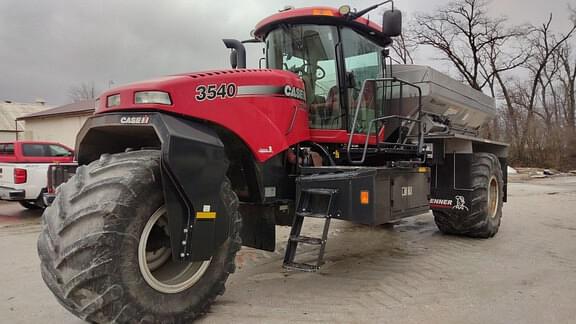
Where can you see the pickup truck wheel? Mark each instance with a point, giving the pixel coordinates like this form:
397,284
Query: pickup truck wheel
30,205
105,252
485,214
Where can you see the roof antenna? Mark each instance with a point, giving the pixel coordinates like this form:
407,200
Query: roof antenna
354,15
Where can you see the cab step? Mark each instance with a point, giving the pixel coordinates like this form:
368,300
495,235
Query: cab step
301,267
305,208
307,240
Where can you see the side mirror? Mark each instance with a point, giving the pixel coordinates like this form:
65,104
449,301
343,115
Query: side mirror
392,23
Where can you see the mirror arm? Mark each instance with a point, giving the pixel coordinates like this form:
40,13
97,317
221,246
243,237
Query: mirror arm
361,13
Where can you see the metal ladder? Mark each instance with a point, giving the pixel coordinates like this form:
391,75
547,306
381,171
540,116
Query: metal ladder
304,209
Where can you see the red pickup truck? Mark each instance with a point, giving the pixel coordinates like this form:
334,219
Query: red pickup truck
24,169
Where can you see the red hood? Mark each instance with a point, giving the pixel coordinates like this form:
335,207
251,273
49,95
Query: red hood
265,108
181,87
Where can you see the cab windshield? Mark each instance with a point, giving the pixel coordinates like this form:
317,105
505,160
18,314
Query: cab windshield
310,52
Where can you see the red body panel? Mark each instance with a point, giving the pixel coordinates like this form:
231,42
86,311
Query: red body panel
341,136
268,123
18,156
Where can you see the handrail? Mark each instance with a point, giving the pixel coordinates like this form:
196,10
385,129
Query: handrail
367,141
365,150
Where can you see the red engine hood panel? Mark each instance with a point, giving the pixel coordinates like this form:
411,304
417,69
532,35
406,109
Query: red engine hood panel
265,108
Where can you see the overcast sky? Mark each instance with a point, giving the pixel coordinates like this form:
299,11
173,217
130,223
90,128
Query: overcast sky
46,47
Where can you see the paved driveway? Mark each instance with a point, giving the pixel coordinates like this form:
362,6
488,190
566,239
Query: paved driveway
408,273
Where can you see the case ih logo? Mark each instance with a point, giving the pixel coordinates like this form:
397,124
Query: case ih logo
294,92
134,120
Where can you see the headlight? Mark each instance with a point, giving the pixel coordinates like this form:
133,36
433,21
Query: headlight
113,100
152,97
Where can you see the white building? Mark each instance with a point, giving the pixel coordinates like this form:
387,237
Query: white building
60,124
10,129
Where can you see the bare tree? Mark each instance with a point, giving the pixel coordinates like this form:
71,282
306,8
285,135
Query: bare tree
543,66
506,52
537,101
567,59
465,34
404,47
568,62
567,77
546,45
537,98
83,91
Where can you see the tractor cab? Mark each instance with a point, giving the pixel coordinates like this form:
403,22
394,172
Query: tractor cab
342,59
332,62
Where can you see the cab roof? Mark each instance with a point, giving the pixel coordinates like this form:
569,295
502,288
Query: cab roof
321,16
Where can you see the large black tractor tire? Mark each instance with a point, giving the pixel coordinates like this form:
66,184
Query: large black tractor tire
90,247
483,219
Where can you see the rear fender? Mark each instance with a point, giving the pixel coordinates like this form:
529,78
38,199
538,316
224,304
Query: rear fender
451,163
193,167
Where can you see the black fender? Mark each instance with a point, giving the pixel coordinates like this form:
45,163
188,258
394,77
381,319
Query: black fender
452,160
193,168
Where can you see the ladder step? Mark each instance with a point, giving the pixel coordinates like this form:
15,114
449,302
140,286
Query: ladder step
305,196
300,266
307,240
313,215
320,191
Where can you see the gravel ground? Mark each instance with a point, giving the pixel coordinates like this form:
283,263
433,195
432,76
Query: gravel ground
408,273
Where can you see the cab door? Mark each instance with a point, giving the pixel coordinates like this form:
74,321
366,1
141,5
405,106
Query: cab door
311,52
359,60
362,65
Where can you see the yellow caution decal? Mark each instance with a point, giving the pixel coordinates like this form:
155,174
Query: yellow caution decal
205,215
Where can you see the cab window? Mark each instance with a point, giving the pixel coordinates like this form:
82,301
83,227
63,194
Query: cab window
309,51
363,61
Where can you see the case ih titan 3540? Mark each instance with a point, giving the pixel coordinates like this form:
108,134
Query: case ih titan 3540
177,172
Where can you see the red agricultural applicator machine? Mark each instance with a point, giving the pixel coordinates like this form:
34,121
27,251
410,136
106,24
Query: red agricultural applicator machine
178,172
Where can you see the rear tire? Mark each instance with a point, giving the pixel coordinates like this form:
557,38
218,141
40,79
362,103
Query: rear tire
483,220
89,245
